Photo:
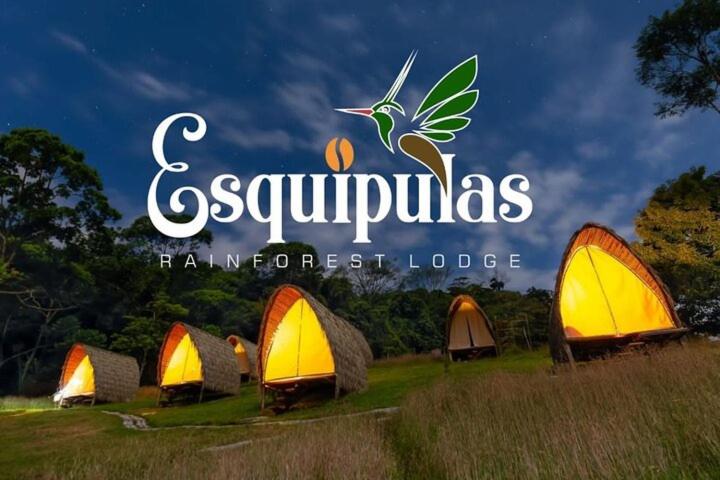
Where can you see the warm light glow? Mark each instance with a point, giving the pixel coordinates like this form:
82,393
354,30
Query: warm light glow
242,358
81,383
184,365
299,347
602,296
468,329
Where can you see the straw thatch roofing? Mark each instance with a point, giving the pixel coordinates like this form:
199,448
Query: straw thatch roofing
219,367
117,377
250,351
455,305
351,352
615,245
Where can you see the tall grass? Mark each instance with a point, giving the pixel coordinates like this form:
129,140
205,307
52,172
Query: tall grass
136,460
639,417
350,448
353,449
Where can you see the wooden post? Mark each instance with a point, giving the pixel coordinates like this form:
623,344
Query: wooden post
337,390
202,390
568,353
526,327
262,397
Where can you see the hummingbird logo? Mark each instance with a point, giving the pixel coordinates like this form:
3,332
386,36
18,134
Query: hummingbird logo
441,115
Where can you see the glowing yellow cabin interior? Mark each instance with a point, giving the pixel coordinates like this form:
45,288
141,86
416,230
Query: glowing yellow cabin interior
468,328
601,296
242,358
299,347
82,380
184,365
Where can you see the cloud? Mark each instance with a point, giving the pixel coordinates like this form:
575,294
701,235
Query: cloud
145,84
25,84
236,124
555,191
251,138
566,36
341,23
658,147
663,139
606,98
69,42
302,98
607,91
309,103
593,150
140,81
155,89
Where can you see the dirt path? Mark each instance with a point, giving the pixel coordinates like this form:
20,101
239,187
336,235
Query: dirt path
134,422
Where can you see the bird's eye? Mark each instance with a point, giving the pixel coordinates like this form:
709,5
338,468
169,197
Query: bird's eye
384,109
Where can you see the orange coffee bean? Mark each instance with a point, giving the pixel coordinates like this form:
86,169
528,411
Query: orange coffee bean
339,155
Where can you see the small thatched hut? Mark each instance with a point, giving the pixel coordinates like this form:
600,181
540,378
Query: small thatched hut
468,331
96,375
607,299
192,360
303,343
246,355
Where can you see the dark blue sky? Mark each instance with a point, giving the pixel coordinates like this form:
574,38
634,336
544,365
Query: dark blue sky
558,102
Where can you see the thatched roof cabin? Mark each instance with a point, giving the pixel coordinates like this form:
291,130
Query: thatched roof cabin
97,375
193,357
607,298
246,355
328,350
468,331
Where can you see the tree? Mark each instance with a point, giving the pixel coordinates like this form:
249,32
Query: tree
292,262
679,232
497,283
337,289
53,216
459,285
220,307
142,335
374,278
68,330
48,193
679,54
427,277
140,338
53,283
145,240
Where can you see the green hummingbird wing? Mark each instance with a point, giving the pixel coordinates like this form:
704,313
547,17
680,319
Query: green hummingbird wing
446,103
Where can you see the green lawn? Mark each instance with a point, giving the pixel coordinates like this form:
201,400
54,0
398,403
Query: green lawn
54,440
37,438
389,382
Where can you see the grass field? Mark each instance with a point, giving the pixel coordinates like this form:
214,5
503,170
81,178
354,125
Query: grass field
512,417
389,382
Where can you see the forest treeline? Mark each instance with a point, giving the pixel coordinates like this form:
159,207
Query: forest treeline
69,274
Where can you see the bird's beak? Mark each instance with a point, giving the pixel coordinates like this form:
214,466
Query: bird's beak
366,112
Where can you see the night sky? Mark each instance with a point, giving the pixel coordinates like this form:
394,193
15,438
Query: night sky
559,102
